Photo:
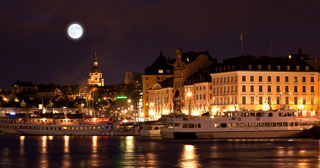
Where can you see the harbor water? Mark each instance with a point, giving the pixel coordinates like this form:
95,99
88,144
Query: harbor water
129,151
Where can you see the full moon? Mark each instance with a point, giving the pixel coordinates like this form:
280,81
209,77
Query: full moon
75,31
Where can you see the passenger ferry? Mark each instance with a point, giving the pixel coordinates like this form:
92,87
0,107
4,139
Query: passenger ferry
58,126
240,124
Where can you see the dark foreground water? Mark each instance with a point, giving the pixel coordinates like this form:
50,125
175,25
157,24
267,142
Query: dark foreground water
103,151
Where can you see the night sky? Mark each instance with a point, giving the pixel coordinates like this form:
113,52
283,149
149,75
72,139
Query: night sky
129,34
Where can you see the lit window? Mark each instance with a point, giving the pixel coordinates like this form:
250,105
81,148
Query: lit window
160,71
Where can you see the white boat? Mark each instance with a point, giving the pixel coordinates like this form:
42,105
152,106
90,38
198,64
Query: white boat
240,124
58,126
152,130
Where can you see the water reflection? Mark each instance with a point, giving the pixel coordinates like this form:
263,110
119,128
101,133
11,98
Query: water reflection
94,153
43,157
189,157
50,138
127,148
22,145
66,156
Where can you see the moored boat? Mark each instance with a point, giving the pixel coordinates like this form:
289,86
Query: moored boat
240,124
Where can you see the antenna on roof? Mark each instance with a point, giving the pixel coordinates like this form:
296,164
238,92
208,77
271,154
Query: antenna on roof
241,44
271,48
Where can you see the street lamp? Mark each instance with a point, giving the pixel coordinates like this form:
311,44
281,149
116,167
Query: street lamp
189,94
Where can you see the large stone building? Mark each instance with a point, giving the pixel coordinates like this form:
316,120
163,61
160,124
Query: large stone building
95,74
165,97
242,83
161,69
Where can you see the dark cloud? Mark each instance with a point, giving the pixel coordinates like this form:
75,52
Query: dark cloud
129,34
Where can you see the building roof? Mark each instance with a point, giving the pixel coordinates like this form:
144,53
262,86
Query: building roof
167,83
95,69
261,63
203,75
188,57
161,63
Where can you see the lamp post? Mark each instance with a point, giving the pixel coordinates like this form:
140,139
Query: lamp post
189,94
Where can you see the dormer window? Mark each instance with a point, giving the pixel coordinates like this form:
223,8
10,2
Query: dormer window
278,67
160,71
288,68
259,67
269,67
297,68
250,67
306,68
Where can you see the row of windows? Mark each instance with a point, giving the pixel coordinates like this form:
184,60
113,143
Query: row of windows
286,79
58,128
260,79
278,89
278,100
267,124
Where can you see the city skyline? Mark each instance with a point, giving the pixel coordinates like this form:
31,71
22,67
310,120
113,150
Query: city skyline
35,46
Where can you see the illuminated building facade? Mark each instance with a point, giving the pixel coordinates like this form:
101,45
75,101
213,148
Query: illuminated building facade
245,83
95,74
161,69
258,83
161,99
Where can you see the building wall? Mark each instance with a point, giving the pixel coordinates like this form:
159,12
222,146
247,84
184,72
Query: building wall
236,90
148,81
198,98
161,102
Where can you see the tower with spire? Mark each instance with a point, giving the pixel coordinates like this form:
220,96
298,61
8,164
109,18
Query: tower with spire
95,74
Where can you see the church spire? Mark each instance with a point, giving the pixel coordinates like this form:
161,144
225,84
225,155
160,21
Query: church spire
95,61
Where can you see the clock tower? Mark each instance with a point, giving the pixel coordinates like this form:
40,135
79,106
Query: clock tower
95,74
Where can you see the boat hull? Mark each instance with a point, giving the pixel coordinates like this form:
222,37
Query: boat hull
234,134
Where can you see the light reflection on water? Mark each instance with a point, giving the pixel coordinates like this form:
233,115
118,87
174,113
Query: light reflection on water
189,157
129,151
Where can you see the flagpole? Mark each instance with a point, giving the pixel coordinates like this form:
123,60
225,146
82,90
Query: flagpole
241,43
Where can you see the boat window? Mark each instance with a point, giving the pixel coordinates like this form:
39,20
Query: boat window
156,128
261,124
77,128
81,128
216,125
241,114
285,124
229,125
273,124
176,125
255,124
296,124
267,124
93,127
237,125
246,114
98,127
61,121
252,114
199,125
184,126
291,124
64,128
279,124
85,128
72,128
243,124
249,124
304,124
223,125
280,114
260,114
190,125
270,115
47,128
